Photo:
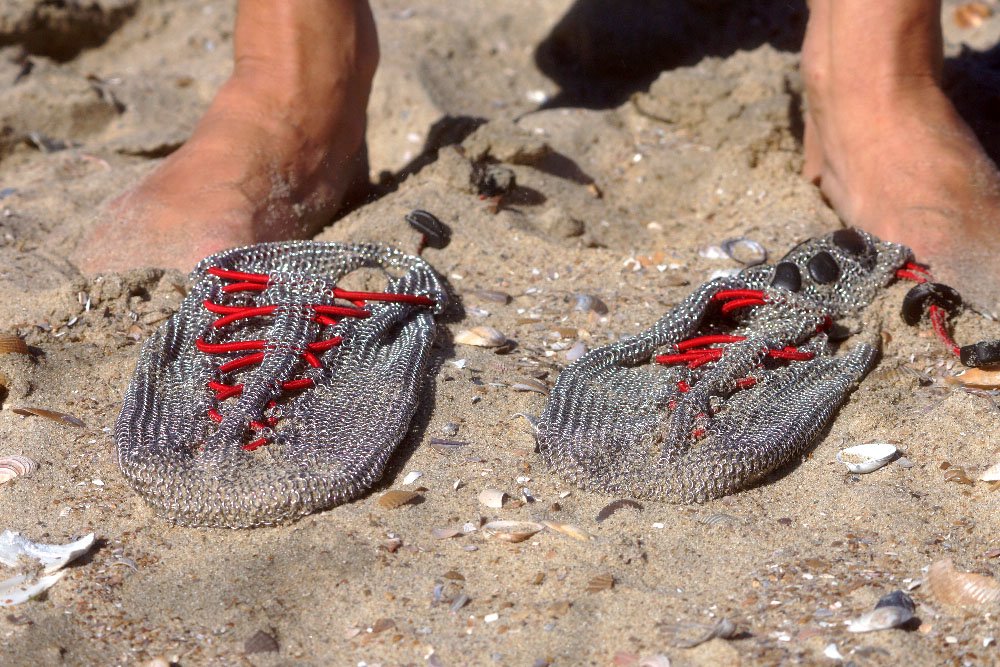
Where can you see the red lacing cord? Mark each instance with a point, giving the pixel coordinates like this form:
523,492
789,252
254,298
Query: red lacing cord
695,352
321,314
920,273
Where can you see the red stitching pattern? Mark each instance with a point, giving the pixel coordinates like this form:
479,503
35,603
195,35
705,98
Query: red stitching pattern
920,273
325,315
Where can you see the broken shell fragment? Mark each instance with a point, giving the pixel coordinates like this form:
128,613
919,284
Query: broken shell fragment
53,557
493,498
745,251
961,589
590,303
601,582
531,384
891,611
992,474
22,588
446,533
511,531
16,466
54,415
867,458
569,530
482,336
977,378
12,344
396,498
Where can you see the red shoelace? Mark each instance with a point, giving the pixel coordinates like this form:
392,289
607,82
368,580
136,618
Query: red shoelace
325,315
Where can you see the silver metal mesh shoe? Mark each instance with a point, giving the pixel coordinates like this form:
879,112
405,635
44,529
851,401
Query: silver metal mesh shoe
744,378
272,392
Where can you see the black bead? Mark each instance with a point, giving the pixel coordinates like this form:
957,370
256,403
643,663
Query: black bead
436,233
924,295
850,241
787,276
983,353
823,267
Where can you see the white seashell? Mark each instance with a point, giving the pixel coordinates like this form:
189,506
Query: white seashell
578,350
481,337
531,384
16,466
992,473
892,611
745,251
658,660
569,530
712,252
866,458
492,498
22,588
412,476
831,651
511,531
53,556
445,533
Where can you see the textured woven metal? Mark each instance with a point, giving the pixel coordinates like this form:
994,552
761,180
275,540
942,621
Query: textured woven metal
277,449
618,422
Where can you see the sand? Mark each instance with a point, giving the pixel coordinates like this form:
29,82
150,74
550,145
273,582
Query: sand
620,184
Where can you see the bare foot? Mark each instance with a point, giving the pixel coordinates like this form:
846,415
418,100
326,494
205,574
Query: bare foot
887,147
279,151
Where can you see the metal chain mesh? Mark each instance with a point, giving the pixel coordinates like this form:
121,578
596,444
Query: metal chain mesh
326,443
617,423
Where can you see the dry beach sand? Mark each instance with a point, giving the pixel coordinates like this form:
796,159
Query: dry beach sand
620,183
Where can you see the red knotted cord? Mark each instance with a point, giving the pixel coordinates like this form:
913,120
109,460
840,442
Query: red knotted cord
920,273
325,315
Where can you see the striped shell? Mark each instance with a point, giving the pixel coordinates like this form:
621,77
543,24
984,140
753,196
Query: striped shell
12,344
962,589
16,466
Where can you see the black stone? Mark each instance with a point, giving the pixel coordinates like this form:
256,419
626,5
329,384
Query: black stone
983,353
922,296
850,241
823,267
787,276
436,233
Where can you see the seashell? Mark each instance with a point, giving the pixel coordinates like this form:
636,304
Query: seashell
60,417
412,476
22,588
447,446
531,419
958,476
531,384
493,498
961,589
867,458
482,336
396,498
689,635
590,303
891,611
602,582
446,533
460,601
992,474
578,349
720,519
52,556
491,295
511,531
978,378
16,466
569,530
613,507
743,250
12,344
658,660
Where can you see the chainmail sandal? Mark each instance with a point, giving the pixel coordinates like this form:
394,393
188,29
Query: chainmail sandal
272,392
729,385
